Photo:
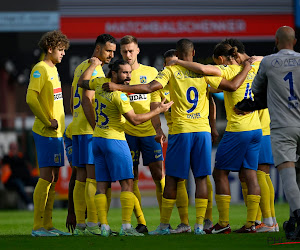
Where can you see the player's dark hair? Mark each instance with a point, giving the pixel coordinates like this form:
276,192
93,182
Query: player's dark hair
170,53
115,66
128,39
235,43
104,38
53,39
184,47
226,50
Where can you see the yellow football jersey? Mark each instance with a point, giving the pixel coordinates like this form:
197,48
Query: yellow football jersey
189,91
109,107
80,124
237,123
264,118
141,102
45,80
161,94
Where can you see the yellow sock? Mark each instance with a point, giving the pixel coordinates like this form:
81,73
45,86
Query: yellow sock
264,193
166,210
201,205
223,203
101,205
160,185
182,202
136,191
208,214
40,197
138,212
272,195
90,192
127,203
253,204
244,191
108,195
79,201
258,216
49,207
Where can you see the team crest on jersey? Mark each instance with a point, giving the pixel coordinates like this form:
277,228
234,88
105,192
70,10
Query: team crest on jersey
70,150
57,94
137,97
57,158
179,75
143,79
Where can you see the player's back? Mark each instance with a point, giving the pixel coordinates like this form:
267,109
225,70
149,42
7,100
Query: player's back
189,91
109,107
80,124
238,123
283,91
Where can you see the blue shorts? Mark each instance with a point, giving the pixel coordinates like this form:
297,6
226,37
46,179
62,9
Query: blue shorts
50,151
151,150
68,147
265,152
113,160
238,149
189,150
82,150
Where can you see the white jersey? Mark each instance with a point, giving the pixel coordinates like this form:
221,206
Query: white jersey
279,76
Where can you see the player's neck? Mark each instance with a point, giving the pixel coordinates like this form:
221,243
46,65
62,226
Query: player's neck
95,55
48,61
135,66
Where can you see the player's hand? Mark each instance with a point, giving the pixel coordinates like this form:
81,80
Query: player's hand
172,62
71,222
54,124
240,112
110,86
160,137
214,135
163,107
95,61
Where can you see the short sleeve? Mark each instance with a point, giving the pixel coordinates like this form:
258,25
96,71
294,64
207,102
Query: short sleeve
213,81
122,102
37,79
164,76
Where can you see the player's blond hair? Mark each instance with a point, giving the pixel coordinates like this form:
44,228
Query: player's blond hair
128,39
54,39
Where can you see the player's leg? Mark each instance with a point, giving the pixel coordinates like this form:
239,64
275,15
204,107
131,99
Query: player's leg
177,166
153,157
285,151
182,203
201,167
208,220
49,158
265,204
250,164
79,188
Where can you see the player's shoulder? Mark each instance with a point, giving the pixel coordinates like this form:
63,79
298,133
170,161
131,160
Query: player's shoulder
148,68
39,69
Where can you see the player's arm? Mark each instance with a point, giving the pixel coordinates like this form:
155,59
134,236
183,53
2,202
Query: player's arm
136,119
237,81
138,89
259,89
160,136
84,79
87,106
35,106
198,67
212,119
71,100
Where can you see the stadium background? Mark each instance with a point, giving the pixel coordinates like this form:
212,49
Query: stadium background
157,24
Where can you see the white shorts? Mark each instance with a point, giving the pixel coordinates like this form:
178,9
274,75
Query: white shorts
285,144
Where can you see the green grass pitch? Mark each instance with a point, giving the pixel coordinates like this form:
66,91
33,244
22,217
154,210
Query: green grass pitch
15,229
